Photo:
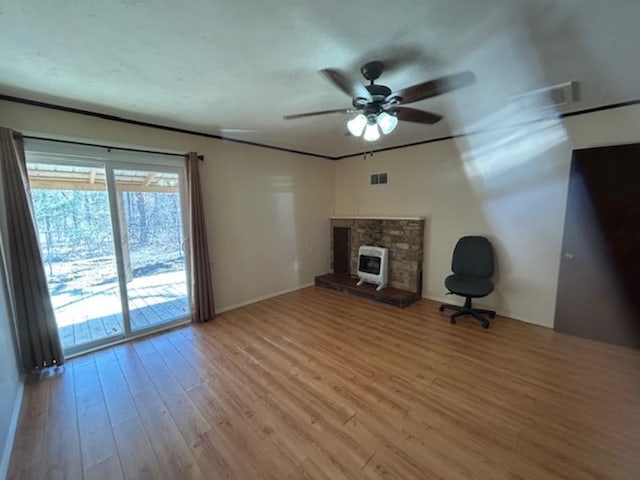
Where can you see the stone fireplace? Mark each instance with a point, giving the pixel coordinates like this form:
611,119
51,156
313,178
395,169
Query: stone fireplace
403,236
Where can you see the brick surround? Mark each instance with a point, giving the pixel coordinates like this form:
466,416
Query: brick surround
403,236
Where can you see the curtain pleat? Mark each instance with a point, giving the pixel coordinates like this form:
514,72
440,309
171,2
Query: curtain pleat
37,332
203,307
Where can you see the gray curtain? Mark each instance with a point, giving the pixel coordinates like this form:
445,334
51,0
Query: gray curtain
202,304
36,328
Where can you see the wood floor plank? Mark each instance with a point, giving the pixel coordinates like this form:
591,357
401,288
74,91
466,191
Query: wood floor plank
132,368
33,469
315,384
117,395
308,470
96,437
255,434
134,449
28,448
143,347
189,375
62,437
168,444
108,469
216,464
185,415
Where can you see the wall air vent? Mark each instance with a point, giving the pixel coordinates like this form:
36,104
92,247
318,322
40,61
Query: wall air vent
378,178
548,97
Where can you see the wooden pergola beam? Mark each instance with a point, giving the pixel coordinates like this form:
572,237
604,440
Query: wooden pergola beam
149,178
97,186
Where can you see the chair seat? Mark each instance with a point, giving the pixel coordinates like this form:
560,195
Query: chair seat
468,286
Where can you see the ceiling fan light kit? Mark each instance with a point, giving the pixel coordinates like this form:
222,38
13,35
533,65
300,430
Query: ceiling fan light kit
371,132
372,125
378,108
387,123
356,125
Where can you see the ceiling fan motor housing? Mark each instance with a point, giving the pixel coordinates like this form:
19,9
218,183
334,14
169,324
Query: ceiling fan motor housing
372,70
378,95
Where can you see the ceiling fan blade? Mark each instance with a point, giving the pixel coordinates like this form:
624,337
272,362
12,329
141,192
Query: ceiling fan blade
414,115
321,112
432,88
344,83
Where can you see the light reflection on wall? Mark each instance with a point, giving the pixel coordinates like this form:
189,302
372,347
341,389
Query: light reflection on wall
501,148
285,227
513,167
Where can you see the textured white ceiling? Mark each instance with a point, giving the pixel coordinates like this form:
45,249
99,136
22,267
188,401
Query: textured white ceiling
226,66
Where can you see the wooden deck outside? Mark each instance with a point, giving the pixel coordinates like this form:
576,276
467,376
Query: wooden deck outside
96,313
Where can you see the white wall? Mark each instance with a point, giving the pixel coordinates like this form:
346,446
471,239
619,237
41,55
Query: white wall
267,211
10,382
509,185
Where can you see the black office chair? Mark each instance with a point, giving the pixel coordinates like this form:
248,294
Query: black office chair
472,267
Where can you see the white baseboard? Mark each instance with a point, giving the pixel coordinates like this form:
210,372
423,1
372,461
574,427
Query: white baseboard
501,313
264,297
11,434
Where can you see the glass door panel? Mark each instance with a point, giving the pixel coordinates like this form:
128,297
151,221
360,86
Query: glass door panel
72,213
149,211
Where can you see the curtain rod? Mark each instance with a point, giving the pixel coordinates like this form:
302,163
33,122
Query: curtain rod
109,147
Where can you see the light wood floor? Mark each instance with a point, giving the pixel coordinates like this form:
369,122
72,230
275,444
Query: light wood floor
317,384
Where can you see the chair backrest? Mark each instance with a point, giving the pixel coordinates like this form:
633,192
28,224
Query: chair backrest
473,257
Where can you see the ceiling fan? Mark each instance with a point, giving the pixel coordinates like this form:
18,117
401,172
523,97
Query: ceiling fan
377,108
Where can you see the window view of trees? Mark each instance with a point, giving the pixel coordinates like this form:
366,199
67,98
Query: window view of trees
72,224
155,232
76,239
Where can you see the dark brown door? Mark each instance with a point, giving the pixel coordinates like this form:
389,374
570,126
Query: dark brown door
599,281
341,250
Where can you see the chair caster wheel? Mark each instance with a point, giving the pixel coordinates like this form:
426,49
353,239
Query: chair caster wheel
441,308
492,315
452,321
485,325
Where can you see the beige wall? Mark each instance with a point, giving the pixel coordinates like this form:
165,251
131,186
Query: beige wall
267,211
510,185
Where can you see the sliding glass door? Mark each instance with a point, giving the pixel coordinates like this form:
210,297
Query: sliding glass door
113,245
152,238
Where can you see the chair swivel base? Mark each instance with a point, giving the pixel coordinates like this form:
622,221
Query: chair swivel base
467,309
